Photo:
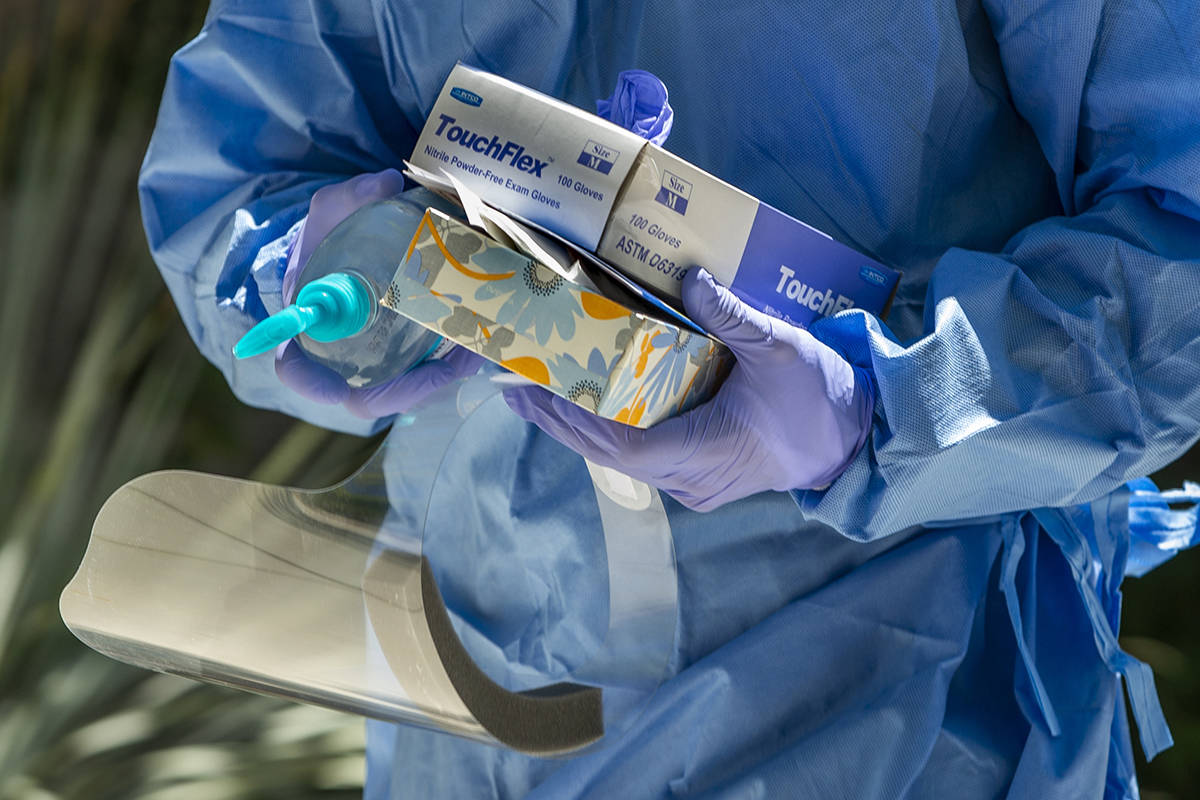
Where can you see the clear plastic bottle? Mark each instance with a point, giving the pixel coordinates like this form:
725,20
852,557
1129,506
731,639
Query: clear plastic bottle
336,317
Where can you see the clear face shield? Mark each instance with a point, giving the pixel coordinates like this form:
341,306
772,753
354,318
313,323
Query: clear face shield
472,577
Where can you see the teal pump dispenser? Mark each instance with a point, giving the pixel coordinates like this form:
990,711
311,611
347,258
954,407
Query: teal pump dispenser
336,318
330,308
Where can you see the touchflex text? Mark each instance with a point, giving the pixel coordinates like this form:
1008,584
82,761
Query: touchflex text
495,148
824,303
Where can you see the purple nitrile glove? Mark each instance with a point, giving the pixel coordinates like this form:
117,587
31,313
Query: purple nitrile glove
330,205
323,385
791,415
639,104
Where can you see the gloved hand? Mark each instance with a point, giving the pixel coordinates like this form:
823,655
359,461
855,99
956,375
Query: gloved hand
330,205
639,104
791,415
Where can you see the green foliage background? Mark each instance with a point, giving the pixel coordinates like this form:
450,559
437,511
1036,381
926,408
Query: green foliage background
101,384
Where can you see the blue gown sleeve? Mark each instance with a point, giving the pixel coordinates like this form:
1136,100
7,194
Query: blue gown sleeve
1054,371
271,101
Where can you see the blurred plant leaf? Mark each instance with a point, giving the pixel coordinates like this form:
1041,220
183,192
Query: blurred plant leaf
102,384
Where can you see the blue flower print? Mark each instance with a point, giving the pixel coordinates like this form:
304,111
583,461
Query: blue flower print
538,302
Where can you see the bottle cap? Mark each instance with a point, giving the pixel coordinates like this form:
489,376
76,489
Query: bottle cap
334,307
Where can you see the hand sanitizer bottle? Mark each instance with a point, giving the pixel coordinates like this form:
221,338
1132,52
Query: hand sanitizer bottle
337,318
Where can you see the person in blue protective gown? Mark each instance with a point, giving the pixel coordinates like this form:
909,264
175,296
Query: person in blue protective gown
937,621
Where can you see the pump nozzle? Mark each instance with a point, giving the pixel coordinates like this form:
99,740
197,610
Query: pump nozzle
330,308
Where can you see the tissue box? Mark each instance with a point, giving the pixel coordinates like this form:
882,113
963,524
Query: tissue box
596,352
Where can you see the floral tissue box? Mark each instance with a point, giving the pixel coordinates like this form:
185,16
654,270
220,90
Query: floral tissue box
528,318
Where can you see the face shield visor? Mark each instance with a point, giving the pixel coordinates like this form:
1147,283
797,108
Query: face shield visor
473,577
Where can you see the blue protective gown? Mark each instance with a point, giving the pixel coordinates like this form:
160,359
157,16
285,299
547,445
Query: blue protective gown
915,630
